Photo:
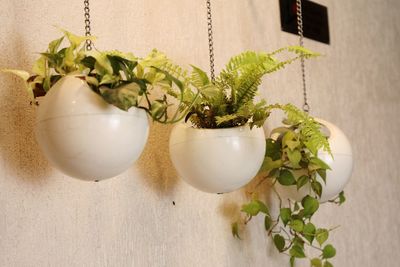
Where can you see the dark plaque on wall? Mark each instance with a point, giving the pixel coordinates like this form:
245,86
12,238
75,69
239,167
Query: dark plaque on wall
315,19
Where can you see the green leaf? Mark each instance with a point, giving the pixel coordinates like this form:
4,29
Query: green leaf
263,208
39,67
109,79
297,225
316,262
292,260
342,198
328,264
285,214
317,188
273,149
279,242
298,241
321,235
317,163
269,165
310,205
301,181
158,109
328,252
254,207
294,157
267,222
322,174
88,62
235,230
286,178
92,80
199,77
289,140
54,45
309,232
122,97
297,252
76,40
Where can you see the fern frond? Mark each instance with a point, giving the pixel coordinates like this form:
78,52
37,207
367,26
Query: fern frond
309,128
226,118
247,84
244,59
176,71
199,78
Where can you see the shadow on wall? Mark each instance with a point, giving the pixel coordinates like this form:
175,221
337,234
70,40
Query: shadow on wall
232,204
20,152
154,164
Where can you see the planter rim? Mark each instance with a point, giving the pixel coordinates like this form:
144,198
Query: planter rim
192,134
80,100
189,125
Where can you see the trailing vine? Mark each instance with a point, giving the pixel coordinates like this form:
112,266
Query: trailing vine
292,160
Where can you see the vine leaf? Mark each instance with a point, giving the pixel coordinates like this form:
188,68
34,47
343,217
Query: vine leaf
279,242
235,230
286,178
316,262
309,232
321,236
328,252
297,252
285,214
310,205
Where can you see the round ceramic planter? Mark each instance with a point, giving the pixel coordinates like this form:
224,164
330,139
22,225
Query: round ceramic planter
217,160
83,136
341,168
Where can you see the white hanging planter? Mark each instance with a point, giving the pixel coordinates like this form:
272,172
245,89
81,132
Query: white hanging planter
341,168
85,137
217,160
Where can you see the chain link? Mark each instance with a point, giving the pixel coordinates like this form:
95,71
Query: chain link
87,24
306,106
210,40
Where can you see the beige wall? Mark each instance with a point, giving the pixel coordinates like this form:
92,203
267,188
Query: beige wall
48,219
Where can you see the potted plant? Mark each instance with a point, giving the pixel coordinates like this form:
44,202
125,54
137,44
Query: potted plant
93,105
221,145
339,160
293,159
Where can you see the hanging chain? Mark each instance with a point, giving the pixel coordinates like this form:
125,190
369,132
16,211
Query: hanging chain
87,25
306,106
210,40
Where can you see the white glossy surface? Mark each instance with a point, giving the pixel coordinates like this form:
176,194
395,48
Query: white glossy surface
341,168
217,160
83,136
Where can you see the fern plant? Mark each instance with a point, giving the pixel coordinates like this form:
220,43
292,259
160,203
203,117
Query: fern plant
229,101
121,79
291,159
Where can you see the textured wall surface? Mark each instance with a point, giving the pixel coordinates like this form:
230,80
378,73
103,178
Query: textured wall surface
49,219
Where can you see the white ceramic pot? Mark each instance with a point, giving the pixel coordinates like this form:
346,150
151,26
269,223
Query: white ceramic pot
217,160
341,168
83,136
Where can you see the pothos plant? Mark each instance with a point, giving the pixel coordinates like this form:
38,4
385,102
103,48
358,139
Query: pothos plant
292,160
229,101
121,79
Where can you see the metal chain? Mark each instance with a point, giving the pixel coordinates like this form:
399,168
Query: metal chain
86,9
306,106
210,40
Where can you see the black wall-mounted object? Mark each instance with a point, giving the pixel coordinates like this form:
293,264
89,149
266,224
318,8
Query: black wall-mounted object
315,19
